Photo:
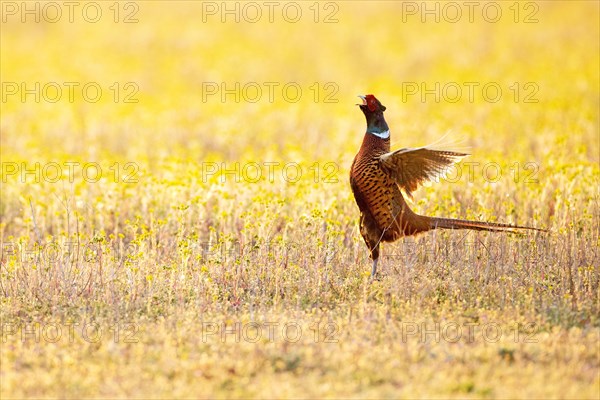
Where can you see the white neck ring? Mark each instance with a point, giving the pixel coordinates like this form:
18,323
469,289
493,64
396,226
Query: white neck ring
382,135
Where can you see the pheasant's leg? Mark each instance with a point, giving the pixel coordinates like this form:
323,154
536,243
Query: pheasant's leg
374,270
375,257
372,236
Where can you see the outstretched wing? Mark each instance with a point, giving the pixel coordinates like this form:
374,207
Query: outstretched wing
412,167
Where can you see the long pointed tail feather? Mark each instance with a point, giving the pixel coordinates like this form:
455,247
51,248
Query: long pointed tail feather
450,223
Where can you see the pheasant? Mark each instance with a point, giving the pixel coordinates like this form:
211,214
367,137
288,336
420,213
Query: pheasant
378,175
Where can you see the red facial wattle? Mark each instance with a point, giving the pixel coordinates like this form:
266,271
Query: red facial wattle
371,102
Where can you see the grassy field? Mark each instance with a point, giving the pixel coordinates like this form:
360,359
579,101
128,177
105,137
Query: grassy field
176,218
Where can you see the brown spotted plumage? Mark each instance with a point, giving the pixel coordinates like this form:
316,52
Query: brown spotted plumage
378,175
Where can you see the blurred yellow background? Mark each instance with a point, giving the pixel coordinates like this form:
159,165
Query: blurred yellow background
175,48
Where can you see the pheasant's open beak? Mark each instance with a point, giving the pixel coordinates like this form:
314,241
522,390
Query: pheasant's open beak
364,101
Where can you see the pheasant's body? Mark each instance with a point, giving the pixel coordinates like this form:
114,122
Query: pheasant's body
377,175
385,216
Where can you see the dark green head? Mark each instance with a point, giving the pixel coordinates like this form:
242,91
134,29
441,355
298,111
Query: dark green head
373,110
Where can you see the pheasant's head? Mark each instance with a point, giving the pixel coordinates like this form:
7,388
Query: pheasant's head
373,111
371,104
